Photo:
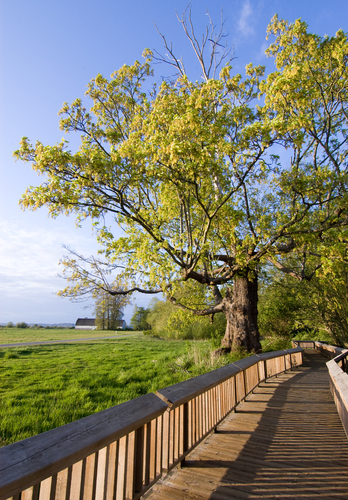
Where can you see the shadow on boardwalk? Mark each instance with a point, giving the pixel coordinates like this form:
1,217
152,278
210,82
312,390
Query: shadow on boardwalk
286,441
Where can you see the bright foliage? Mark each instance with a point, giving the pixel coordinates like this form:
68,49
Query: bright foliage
206,181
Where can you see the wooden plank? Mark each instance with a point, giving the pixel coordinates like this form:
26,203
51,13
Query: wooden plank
101,474
176,436
30,461
171,436
153,450
77,479
121,468
45,489
63,484
90,477
165,441
159,445
31,493
131,458
111,474
182,392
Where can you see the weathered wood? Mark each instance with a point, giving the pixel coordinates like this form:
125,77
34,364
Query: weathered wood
183,392
90,477
111,474
165,441
159,445
121,468
101,474
30,461
339,390
45,490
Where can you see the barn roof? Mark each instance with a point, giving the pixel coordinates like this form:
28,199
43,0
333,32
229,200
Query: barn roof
85,322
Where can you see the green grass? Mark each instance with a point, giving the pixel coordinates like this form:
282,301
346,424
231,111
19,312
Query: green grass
42,387
14,335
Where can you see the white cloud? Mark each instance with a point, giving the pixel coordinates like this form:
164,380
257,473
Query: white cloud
29,268
245,25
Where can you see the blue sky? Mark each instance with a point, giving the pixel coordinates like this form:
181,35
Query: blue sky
49,51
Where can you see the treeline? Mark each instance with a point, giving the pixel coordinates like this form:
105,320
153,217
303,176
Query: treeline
22,324
315,309
287,308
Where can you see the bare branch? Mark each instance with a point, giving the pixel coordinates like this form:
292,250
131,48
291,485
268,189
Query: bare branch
219,52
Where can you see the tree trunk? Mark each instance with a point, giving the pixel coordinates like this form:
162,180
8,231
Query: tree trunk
240,310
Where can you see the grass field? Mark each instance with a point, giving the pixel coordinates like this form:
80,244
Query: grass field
14,335
42,387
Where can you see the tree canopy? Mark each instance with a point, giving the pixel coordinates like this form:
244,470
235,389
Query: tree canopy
210,179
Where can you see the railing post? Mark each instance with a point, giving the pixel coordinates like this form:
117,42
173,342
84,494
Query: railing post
265,368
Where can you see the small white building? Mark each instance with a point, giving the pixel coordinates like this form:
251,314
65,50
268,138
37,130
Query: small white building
85,324
120,324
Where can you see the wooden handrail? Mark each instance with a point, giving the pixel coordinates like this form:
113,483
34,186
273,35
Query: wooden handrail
338,379
120,452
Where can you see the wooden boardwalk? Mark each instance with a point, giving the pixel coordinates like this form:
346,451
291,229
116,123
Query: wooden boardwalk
285,441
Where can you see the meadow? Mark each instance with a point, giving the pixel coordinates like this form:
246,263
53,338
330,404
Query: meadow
14,335
45,386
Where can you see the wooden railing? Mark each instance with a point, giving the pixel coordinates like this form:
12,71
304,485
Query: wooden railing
337,368
120,452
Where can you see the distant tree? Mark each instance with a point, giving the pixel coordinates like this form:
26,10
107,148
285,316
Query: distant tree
10,325
139,319
109,309
22,325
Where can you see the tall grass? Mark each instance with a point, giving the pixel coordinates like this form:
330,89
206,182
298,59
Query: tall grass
42,387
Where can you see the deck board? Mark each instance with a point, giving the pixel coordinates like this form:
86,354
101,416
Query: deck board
286,441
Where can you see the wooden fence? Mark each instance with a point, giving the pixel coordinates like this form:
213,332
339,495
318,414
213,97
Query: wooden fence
120,452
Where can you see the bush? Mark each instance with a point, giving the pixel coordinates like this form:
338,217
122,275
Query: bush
22,325
11,355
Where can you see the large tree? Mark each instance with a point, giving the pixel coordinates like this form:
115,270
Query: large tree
207,182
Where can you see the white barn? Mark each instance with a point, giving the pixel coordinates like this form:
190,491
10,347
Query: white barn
85,324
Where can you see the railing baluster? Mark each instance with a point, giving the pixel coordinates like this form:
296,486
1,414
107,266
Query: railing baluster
90,477
121,468
45,489
153,450
101,474
63,484
166,429
171,437
159,445
111,475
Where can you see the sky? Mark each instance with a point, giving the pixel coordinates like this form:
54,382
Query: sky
49,51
